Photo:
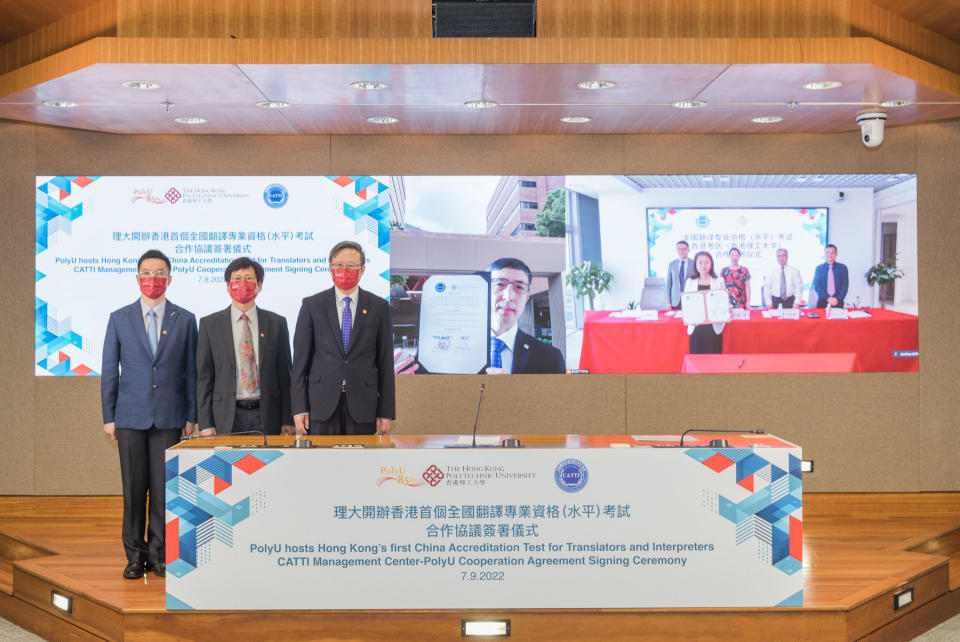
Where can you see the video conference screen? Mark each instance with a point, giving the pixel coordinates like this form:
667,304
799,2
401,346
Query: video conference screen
514,274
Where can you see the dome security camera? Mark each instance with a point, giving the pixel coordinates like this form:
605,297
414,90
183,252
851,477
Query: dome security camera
871,128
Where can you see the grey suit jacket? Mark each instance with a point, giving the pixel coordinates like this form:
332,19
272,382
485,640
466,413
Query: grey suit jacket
320,363
674,286
217,372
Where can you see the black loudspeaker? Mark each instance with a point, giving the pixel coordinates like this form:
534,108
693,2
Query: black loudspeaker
484,19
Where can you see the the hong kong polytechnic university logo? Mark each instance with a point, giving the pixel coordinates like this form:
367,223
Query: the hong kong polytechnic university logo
433,475
571,475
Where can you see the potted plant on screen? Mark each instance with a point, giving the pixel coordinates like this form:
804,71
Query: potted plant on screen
883,274
589,279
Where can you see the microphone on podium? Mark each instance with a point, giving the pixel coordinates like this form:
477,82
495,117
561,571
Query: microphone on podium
476,419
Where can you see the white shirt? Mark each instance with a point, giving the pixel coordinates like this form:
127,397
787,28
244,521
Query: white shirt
353,303
693,285
237,323
160,309
506,355
794,284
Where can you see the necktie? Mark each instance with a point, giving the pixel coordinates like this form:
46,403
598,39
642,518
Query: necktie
152,337
783,282
248,358
496,360
683,265
347,325
831,283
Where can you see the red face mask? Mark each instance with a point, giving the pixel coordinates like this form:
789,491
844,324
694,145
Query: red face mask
153,287
345,279
243,291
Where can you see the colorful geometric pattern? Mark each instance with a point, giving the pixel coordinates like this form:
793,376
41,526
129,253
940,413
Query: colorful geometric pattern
373,215
197,516
770,518
59,204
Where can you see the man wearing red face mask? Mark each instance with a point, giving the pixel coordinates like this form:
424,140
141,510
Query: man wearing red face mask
343,355
243,361
148,389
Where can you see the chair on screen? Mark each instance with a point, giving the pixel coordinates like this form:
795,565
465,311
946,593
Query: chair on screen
654,294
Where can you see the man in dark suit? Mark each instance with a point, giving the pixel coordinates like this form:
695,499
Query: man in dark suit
243,361
343,355
513,351
831,280
678,271
148,389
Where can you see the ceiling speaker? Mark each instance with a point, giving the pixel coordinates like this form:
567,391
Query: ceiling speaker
484,19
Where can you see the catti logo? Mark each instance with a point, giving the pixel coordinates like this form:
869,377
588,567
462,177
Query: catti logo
703,220
571,475
440,286
275,195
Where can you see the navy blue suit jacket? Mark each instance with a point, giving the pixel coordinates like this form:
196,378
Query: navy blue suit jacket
320,363
535,357
841,280
139,391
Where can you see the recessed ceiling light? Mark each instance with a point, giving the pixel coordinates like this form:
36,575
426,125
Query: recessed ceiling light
903,102
724,179
596,84
708,179
383,120
368,84
818,179
59,103
766,120
576,119
141,84
689,104
272,104
480,104
801,179
190,120
822,84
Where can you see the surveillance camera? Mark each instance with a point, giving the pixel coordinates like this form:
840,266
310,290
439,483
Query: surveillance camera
840,195
871,127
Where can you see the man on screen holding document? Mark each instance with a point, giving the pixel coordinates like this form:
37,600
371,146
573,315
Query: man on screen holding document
243,361
784,284
831,280
513,351
148,389
343,382
677,272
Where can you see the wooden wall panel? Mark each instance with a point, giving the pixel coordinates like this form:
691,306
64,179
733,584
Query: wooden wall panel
867,19
98,19
274,18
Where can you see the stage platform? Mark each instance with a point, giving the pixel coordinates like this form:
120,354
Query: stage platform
859,551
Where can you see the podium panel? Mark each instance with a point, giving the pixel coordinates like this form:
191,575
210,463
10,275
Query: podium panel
589,522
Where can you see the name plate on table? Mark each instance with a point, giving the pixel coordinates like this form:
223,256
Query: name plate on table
791,313
434,528
739,314
838,313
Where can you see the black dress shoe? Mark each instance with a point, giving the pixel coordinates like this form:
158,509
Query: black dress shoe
159,568
134,570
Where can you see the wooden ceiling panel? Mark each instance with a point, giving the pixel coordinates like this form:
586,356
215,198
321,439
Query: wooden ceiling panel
145,119
557,84
180,84
545,119
784,82
351,119
18,18
939,16
406,84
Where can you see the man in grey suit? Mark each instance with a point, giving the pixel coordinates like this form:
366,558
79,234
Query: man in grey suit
243,361
343,380
679,270
148,388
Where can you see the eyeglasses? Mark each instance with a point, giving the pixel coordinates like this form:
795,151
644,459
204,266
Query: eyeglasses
146,274
345,266
520,287
250,278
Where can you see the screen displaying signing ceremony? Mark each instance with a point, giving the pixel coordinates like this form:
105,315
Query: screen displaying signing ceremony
662,274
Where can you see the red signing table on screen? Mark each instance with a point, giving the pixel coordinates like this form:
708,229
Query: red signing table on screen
614,345
768,363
